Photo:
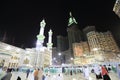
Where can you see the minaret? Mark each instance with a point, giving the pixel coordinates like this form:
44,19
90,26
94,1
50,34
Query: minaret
71,20
49,45
39,45
40,36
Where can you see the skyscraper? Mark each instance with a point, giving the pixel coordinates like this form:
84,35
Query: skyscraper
74,34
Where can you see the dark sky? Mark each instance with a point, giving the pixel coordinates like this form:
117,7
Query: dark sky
20,20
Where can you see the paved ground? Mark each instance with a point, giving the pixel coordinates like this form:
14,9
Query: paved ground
66,77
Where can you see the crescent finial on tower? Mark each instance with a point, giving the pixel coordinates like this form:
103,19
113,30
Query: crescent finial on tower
71,20
50,32
42,23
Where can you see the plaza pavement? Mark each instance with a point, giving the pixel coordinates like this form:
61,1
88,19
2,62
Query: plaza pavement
78,76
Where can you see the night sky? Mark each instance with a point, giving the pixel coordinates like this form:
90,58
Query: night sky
20,20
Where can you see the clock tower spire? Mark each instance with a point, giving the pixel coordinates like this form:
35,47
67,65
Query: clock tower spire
71,20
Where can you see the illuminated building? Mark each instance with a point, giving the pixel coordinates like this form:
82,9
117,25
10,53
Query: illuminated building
107,42
74,33
102,41
41,56
65,44
10,56
101,47
116,7
79,50
88,29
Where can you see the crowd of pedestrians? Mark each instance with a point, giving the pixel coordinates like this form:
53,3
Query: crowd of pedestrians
100,71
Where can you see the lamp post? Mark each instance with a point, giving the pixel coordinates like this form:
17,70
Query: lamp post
54,58
59,54
71,58
54,61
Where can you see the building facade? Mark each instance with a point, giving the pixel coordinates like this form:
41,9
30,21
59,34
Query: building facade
87,30
62,43
10,55
79,50
102,42
14,57
100,47
37,57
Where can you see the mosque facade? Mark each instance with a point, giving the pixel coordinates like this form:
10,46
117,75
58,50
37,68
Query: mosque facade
40,56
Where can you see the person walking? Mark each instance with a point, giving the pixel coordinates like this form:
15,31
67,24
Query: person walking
28,71
8,75
43,77
105,74
71,72
32,75
36,74
59,77
47,77
3,72
97,71
86,72
18,78
40,74
118,71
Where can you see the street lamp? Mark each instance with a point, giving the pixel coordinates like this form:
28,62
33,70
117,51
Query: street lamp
54,58
71,58
59,54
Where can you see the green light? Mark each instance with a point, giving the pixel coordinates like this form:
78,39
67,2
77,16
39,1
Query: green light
49,44
71,20
40,37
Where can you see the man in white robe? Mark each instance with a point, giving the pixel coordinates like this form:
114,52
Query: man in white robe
97,71
86,72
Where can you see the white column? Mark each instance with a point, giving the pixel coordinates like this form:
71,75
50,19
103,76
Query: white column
49,45
50,36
